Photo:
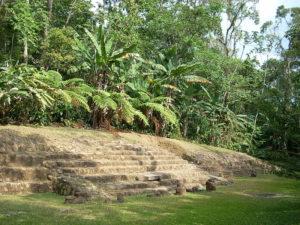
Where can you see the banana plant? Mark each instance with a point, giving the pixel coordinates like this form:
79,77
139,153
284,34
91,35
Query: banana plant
101,55
168,77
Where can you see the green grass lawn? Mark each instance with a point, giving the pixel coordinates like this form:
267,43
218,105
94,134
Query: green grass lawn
263,200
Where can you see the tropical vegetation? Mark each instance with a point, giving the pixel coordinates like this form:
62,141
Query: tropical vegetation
164,67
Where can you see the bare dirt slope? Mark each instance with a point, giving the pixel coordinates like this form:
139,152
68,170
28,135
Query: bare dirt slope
86,163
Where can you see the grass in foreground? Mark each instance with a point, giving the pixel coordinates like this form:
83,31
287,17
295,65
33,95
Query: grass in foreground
264,200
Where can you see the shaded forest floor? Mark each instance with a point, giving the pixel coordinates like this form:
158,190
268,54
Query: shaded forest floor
267,199
290,166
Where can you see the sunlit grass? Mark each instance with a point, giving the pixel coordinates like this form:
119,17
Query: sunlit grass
238,204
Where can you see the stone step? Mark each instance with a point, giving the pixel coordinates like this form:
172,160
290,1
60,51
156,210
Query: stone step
190,176
24,187
57,156
195,187
10,174
120,169
99,163
106,178
158,191
169,182
33,160
20,159
129,185
126,157
129,152
110,154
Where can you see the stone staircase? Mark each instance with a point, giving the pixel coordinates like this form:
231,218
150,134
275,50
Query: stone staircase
113,169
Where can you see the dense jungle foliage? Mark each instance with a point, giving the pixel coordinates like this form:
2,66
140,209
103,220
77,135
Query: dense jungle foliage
158,66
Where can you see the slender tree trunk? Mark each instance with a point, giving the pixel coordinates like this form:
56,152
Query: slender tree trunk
225,99
25,51
95,122
70,13
185,127
100,118
50,6
68,18
287,100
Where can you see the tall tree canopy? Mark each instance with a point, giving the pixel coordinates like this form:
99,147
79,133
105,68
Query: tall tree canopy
170,67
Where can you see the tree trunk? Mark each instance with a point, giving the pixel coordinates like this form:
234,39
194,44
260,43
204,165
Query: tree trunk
68,18
50,6
185,127
70,13
25,52
101,118
95,117
287,103
157,125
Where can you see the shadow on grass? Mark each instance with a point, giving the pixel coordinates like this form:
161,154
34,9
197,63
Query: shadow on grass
240,204
290,166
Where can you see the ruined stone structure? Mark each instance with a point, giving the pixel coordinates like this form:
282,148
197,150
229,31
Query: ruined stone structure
83,165
113,169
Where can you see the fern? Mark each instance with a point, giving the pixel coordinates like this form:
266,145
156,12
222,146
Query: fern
43,89
77,99
121,106
145,101
104,100
126,109
166,114
142,117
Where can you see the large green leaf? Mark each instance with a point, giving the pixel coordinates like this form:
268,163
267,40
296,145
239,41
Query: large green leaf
183,69
94,41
